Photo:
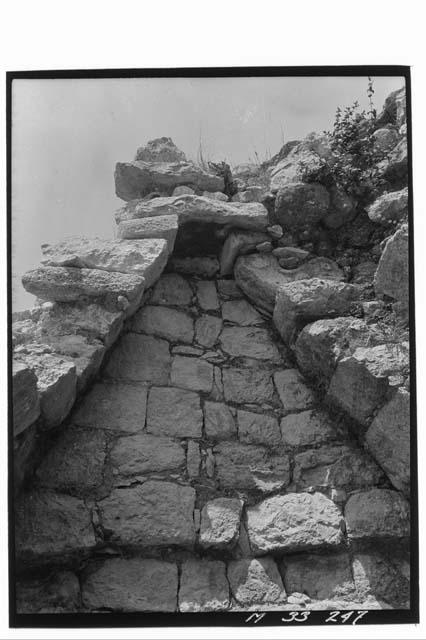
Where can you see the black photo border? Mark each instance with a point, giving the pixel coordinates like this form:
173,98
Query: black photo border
227,619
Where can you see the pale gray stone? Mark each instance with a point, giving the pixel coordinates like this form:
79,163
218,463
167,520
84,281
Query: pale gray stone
192,373
172,289
117,407
258,428
26,403
241,312
306,428
207,295
193,459
219,422
389,207
183,350
131,585
203,586
249,342
158,227
207,330
141,359
256,582
174,412
220,523
145,453
247,385
391,277
379,580
378,513
160,150
164,322
293,392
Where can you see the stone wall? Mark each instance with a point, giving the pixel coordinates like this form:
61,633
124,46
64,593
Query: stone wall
219,425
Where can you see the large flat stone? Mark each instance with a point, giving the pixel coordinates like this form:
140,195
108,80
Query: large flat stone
260,276
256,583
117,407
378,513
219,422
58,593
191,208
247,385
174,412
321,577
258,428
173,290
144,453
294,522
220,523
143,257
249,342
207,330
164,322
68,284
302,302
306,428
75,463
137,179
153,514
131,584
203,586
251,467
241,312
51,527
192,373
141,359
293,392
158,227
26,403
388,440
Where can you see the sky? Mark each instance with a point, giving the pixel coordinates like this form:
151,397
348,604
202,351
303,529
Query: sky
67,136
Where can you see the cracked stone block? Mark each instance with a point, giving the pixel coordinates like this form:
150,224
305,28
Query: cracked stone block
131,584
378,579
241,312
207,330
249,342
56,593
294,522
219,422
145,453
292,390
247,385
256,583
164,322
207,295
26,403
141,359
150,515
306,428
378,513
192,373
174,412
251,467
193,459
258,428
75,463
114,406
173,290
321,577
203,586
51,527
220,523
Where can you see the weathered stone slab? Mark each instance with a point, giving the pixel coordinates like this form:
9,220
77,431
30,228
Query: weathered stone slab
141,359
306,428
241,312
174,412
294,522
207,330
302,302
388,439
256,583
391,277
203,586
173,290
378,513
131,584
260,276
378,580
158,227
247,385
58,593
249,342
207,295
321,577
65,284
150,515
220,523
258,428
202,266
117,407
293,392
164,322
145,453
137,179
191,208
192,373
75,462
219,422
389,207
51,527
26,403
301,205
360,381
251,467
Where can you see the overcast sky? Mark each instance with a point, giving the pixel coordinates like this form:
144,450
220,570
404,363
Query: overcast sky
67,136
